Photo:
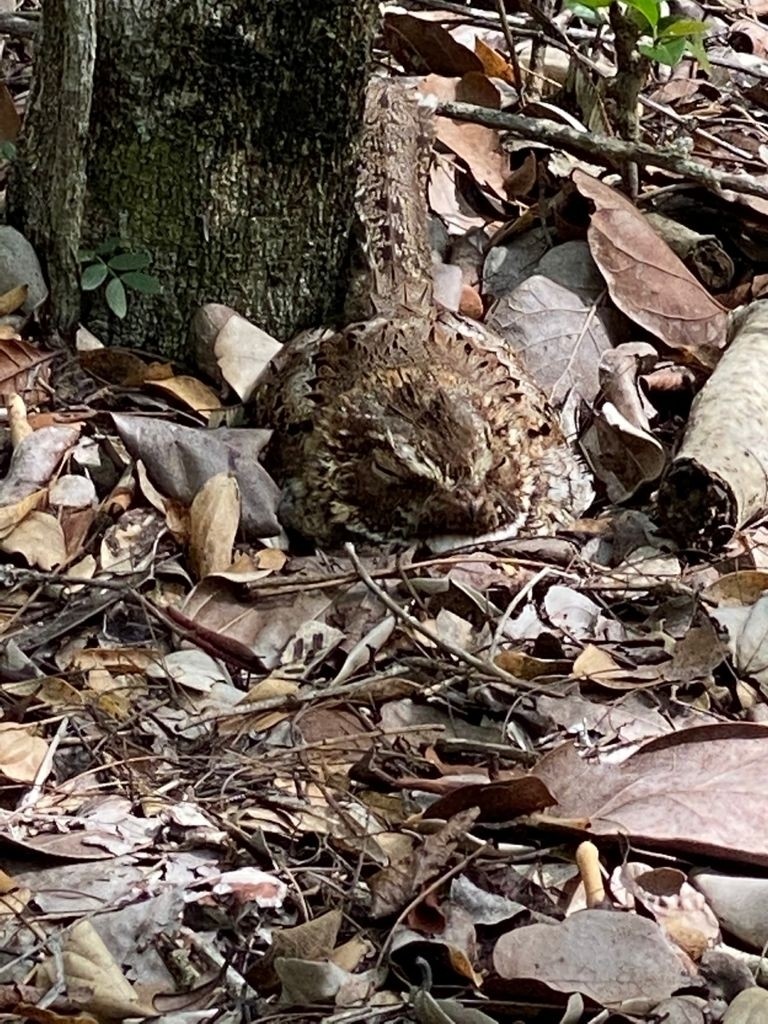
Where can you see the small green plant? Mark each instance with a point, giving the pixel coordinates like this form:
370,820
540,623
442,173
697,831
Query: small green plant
662,38
7,150
122,268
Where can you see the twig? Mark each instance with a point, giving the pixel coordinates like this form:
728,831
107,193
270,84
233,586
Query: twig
603,149
507,30
31,797
423,893
486,667
513,605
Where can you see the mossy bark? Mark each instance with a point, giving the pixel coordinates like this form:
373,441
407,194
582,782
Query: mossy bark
220,137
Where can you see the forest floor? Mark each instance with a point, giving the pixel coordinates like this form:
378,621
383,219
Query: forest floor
521,781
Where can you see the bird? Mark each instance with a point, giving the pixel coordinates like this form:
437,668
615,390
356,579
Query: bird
411,421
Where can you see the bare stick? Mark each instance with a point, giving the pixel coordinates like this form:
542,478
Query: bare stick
603,149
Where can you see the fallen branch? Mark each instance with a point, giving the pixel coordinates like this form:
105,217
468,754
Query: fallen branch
604,149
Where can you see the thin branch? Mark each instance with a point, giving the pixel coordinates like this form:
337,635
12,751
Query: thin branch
604,150
486,667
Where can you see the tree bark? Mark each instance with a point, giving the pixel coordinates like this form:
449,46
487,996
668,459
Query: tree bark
218,135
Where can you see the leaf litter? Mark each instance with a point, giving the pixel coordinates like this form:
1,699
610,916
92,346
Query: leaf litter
519,782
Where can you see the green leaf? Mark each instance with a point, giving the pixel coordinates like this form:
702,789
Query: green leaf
675,28
664,52
147,284
696,47
116,297
648,8
585,8
130,261
110,245
93,276
7,150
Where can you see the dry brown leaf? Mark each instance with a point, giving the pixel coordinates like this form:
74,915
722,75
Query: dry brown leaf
494,65
481,150
21,366
610,957
737,589
14,299
21,753
214,518
699,789
271,558
93,977
12,515
39,539
190,392
647,281
422,47
116,366
478,89
496,801
596,664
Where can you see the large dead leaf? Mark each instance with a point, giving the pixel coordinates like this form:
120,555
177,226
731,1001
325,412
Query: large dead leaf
700,789
610,957
39,539
422,46
647,281
91,972
179,460
556,332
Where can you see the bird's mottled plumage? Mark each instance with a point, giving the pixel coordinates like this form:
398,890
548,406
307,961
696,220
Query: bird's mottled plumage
413,422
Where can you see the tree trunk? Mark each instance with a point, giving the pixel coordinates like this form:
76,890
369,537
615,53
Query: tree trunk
217,135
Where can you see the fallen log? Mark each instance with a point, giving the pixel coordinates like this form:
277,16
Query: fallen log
718,480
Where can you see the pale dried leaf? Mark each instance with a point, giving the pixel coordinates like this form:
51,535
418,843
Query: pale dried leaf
214,519
39,539
556,334
90,970
191,392
21,753
749,1007
242,351
609,957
